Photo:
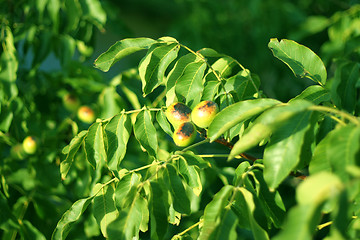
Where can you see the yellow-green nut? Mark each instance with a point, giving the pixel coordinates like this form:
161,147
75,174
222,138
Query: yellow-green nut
30,145
178,113
185,134
86,114
204,113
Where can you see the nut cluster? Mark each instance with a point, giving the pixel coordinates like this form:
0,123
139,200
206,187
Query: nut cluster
183,119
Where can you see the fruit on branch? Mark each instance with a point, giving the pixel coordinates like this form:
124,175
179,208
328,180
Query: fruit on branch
178,113
86,114
30,144
185,134
71,102
204,113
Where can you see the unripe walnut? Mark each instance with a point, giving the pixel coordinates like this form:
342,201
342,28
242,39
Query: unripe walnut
30,145
86,114
185,134
178,113
204,113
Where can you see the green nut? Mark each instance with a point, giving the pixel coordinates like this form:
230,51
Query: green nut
204,113
185,134
178,113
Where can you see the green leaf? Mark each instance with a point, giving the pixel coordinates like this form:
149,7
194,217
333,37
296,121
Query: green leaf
118,131
338,150
70,217
104,209
176,72
236,113
257,231
214,211
244,85
318,188
271,201
189,86
94,145
6,117
145,132
120,50
127,225
315,94
343,88
126,188
266,124
159,211
163,122
71,150
193,159
300,224
301,60
7,219
9,66
95,12
173,181
153,66
191,176
283,152
28,231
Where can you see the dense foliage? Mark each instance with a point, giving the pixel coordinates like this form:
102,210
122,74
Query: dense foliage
99,161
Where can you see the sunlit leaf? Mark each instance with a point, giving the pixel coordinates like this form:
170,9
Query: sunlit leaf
339,149
159,211
104,209
257,231
300,59
163,122
153,66
189,86
193,159
317,188
214,211
191,176
175,74
315,94
145,132
300,224
283,152
266,124
118,131
70,217
94,145
127,225
236,113
173,181
120,50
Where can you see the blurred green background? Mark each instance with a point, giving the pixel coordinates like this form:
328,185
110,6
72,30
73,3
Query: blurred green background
241,29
